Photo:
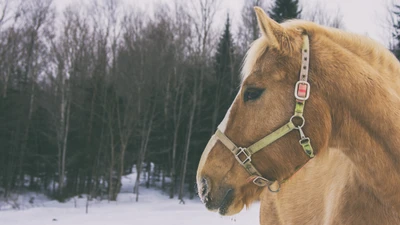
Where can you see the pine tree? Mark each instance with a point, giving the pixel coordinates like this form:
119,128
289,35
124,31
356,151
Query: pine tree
226,77
224,61
284,10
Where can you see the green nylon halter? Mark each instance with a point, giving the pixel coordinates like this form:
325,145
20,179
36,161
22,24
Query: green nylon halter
243,155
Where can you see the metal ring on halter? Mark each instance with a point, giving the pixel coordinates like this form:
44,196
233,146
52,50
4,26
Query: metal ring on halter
302,119
275,191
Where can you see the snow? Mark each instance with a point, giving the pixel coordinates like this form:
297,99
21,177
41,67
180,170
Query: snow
153,208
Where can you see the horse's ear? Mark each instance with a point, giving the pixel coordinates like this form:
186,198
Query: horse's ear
270,29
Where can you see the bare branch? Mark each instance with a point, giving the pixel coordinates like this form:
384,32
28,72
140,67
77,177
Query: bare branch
319,14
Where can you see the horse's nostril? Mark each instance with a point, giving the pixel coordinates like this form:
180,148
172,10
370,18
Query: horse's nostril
204,187
204,190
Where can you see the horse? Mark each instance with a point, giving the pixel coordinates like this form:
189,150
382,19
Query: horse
313,133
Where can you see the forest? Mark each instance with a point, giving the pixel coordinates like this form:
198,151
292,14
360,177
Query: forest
94,91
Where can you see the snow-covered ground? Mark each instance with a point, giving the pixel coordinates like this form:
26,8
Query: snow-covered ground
153,208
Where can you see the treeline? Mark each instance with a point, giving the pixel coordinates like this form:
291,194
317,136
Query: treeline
89,94
95,91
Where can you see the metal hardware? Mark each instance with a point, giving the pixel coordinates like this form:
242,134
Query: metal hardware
275,191
296,90
304,140
302,121
261,181
302,136
245,153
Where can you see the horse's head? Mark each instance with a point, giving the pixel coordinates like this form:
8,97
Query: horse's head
265,103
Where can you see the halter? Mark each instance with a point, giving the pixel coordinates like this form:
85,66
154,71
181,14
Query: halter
301,93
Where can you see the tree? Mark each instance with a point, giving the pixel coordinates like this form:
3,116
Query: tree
175,91
39,16
226,78
284,10
318,14
248,30
81,105
396,34
203,16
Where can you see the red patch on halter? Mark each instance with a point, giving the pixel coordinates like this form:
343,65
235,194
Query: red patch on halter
302,90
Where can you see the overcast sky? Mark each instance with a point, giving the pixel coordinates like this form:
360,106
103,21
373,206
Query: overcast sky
368,17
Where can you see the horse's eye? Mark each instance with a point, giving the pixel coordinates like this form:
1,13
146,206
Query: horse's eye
252,94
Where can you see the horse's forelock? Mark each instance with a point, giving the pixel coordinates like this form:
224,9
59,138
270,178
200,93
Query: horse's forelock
257,49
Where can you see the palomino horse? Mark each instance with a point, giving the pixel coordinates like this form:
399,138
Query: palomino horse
265,146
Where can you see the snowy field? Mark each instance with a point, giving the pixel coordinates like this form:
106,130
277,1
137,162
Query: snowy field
153,208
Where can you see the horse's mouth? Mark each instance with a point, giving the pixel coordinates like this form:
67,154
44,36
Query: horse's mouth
225,203
222,205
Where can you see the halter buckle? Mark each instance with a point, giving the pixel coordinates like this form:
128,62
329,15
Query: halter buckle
302,90
245,153
261,181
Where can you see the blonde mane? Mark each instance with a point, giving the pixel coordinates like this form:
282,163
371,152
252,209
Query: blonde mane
366,48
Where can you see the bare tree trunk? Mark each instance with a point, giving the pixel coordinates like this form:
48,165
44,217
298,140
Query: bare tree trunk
125,127
64,148
39,18
145,140
6,77
121,167
10,56
26,135
177,121
111,194
187,147
173,163
63,126
148,170
163,171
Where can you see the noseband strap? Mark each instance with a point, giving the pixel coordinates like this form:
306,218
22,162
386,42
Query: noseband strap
302,93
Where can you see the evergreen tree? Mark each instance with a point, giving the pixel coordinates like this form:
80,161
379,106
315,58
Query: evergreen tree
284,10
224,57
226,77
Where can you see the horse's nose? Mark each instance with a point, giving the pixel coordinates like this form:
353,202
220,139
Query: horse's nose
204,189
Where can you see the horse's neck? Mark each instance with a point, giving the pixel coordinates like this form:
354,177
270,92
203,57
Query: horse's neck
312,195
372,146
364,103
326,191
